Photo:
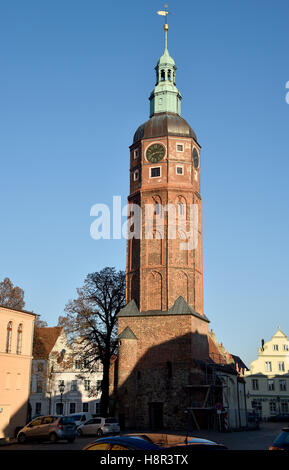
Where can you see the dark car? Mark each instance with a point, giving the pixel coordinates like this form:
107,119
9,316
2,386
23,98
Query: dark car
157,442
282,441
52,428
284,417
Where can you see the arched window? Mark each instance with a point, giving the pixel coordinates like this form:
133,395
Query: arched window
163,76
19,339
169,75
157,209
9,337
181,208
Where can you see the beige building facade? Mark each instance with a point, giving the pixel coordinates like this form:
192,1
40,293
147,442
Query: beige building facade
267,381
16,339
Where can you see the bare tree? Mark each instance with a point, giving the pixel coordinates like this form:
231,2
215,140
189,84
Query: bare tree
40,323
91,320
10,296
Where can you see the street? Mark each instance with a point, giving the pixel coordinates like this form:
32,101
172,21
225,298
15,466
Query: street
247,440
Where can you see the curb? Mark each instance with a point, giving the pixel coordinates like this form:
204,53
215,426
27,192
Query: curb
6,441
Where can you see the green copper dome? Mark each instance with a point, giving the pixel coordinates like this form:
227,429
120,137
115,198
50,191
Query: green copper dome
165,96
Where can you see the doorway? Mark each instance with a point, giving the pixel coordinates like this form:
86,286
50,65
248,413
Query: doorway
156,416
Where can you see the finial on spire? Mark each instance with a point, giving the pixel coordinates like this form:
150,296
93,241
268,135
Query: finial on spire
166,26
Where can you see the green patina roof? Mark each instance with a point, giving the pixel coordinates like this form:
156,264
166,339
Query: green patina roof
180,307
127,333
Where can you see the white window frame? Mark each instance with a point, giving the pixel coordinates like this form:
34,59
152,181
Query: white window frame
268,366
271,385
281,366
275,347
182,168
282,385
136,175
153,168
136,153
183,147
285,347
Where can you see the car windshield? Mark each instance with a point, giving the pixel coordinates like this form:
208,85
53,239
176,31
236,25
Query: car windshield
67,420
75,417
111,421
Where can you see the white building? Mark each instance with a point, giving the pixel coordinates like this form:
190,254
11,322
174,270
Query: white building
55,366
267,381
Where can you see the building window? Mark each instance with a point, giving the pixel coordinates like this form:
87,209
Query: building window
180,147
78,365
87,385
268,366
136,175
284,407
282,384
39,386
97,409
285,347
72,408
180,170
38,408
59,408
40,367
9,337
98,385
181,208
85,407
73,386
281,366
275,347
19,339
271,386
272,406
255,384
163,77
156,172
135,154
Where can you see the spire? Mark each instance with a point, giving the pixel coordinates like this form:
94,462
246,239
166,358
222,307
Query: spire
165,97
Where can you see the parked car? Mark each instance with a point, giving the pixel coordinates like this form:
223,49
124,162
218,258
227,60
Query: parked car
282,417
282,441
99,427
51,428
80,418
167,443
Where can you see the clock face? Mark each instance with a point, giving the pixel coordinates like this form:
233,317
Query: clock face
155,153
196,158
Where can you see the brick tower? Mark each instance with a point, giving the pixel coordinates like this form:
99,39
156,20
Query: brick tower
163,326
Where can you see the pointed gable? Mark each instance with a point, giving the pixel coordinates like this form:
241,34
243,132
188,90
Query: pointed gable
127,333
129,310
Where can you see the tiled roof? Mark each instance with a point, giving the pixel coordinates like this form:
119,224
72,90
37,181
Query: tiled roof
44,340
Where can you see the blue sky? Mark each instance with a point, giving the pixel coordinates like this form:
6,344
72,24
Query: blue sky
74,86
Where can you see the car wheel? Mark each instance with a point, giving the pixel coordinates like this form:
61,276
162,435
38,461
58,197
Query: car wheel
22,438
79,432
99,433
72,439
53,437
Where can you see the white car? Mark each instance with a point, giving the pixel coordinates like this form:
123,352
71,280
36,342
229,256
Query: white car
99,427
80,418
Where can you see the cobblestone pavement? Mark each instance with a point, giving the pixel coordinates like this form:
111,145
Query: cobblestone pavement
260,439
246,440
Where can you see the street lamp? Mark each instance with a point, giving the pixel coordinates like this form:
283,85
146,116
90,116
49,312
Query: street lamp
61,387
